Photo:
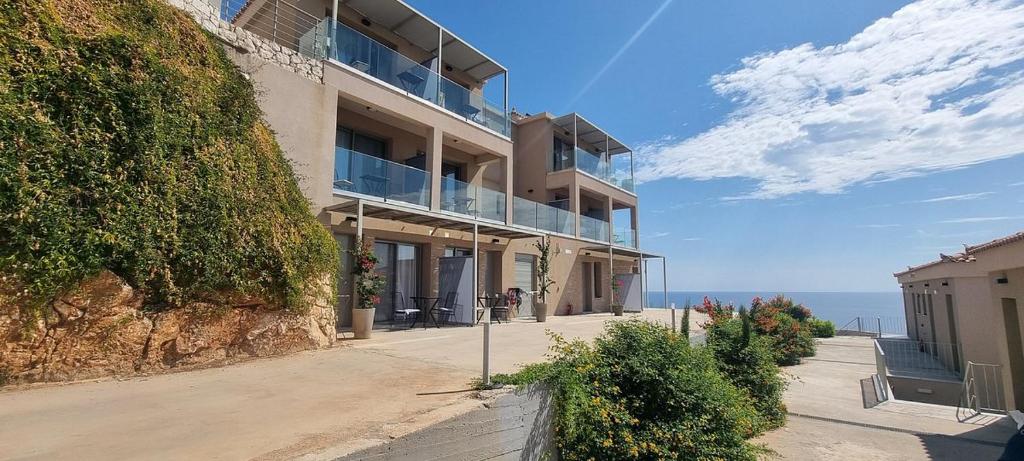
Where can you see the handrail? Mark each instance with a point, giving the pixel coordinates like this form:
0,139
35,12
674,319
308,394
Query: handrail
971,399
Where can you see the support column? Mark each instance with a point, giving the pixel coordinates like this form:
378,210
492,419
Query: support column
611,225
433,165
643,286
574,203
334,30
440,64
359,221
664,279
506,166
611,277
508,120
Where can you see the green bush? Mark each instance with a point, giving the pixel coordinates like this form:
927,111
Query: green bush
821,328
642,393
749,363
791,341
130,142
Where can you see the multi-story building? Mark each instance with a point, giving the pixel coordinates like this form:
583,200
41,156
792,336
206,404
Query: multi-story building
407,143
965,317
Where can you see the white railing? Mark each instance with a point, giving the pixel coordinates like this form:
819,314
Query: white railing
279,21
982,390
907,357
881,380
874,326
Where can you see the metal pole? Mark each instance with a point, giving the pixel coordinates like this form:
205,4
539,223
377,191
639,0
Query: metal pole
673,308
440,42
276,3
859,329
486,378
879,326
359,221
334,31
664,279
643,286
508,120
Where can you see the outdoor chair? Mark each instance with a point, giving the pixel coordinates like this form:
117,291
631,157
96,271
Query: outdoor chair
447,311
408,315
501,308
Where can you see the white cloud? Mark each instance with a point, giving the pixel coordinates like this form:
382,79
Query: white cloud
980,219
956,198
656,235
936,86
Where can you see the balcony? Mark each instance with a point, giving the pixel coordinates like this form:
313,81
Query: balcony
593,229
421,80
543,217
624,238
470,200
592,151
358,173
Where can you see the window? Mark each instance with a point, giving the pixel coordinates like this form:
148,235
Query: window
347,138
597,280
526,275
561,155
454,251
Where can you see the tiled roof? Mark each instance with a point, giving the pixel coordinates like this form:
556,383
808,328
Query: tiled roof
968,253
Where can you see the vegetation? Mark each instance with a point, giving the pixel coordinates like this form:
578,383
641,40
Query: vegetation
369,284
779,319
129,142
821,328
544,281
641,392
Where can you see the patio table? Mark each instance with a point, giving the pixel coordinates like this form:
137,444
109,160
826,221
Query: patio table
428,306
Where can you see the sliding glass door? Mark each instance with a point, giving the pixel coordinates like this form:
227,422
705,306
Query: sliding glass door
399,266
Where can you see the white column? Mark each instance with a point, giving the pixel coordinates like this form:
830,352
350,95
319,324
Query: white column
643,286
486,372
664,279
359,221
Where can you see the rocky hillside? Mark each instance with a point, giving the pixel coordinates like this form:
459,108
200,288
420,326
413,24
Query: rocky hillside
146,212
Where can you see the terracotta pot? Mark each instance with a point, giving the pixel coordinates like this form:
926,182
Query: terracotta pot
362,322
617,310
541,311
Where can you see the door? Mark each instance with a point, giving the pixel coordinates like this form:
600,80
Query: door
492,272
1015,347
343,308
526,280
951,321
588,287
398,265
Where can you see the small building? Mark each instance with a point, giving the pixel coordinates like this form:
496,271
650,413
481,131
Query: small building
964,311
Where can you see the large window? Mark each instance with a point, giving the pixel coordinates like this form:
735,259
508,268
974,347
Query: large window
561,155
347,138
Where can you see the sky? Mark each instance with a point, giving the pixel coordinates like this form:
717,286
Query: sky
785,146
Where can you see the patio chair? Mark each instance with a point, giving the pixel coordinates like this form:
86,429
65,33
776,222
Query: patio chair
446,313
501,308
404,312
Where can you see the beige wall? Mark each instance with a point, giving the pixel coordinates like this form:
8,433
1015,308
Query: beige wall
977,307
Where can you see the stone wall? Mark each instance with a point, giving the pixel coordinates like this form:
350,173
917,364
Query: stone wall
208,17
101,329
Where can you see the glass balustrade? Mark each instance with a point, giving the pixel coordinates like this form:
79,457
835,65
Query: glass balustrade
591,163
593,228
368,175
419,79
542,217
479,202
625,238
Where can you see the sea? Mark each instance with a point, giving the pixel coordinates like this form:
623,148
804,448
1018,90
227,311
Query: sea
843,308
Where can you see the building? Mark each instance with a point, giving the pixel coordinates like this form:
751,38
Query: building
967,312
406,141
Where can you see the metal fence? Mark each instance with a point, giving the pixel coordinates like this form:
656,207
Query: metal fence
279,21
874,326
910,358
982,391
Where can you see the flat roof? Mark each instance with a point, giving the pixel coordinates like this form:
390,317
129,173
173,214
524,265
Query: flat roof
636,253
590,133
396,212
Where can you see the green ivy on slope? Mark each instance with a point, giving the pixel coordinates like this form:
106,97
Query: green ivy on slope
130,142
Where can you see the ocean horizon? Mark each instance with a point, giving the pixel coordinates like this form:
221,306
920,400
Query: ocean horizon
841,307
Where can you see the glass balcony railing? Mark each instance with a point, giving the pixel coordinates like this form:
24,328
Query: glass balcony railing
368,175
542,217
373,58
624,238
618,173
593,228
478,202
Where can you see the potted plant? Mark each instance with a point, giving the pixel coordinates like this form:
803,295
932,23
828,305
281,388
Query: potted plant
544,281
368,286
616,300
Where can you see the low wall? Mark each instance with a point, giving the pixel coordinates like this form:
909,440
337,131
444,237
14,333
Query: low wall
926,390
101,329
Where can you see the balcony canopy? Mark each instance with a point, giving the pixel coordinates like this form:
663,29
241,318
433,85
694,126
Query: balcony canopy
591,134
408,23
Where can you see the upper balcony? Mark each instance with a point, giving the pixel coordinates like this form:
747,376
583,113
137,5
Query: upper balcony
391,42
582,146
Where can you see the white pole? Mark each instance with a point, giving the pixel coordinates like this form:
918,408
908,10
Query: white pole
664,279
486,378
643,287
673,316
359,221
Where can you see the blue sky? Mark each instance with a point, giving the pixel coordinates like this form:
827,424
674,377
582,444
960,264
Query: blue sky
785,146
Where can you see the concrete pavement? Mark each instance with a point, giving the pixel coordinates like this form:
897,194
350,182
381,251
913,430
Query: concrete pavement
312,405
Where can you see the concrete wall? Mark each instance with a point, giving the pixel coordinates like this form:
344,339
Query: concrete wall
927,391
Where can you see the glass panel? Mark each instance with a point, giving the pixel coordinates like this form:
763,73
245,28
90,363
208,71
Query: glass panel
592,164
621,174
467,199
385,267
594,229
420,79
406,272
368,175
542,217
625,238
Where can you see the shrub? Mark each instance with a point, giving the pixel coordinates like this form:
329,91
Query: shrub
130,142
791,341
749,363
821,328
642,393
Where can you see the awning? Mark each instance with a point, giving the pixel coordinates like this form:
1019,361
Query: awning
408,23
396,212
635,253
590,133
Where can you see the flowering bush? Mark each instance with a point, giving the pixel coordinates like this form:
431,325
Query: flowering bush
716,311
748,360
784,321
369,284
617,285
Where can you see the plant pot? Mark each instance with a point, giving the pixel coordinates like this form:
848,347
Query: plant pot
617,310
362,322
541,311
